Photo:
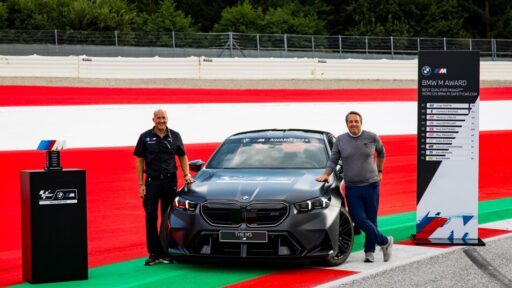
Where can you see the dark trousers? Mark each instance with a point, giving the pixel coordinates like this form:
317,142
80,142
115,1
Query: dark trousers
161,190
363,203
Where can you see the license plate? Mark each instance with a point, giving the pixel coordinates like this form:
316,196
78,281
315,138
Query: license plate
243,236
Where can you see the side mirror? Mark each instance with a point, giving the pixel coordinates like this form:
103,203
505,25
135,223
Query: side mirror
195,165
339,171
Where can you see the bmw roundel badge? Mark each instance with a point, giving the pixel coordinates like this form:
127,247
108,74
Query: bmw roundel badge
426,70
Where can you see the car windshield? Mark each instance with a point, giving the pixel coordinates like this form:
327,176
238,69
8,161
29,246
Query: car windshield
271,152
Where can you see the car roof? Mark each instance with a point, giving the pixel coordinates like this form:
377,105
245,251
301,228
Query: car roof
280,133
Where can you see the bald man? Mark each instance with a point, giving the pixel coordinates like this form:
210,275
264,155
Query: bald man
156,152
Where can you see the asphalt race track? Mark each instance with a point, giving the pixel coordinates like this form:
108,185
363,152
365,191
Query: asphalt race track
454,269
468,266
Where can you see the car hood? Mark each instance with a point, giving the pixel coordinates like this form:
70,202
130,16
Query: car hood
246,185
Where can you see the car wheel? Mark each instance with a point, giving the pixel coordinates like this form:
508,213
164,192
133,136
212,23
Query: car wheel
345,240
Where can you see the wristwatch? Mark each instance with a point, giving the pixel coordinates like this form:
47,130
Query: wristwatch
185,175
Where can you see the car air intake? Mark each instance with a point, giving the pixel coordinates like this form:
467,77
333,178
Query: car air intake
265,214
222,214
254,215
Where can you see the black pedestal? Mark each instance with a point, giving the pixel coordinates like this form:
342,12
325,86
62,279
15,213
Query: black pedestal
54,225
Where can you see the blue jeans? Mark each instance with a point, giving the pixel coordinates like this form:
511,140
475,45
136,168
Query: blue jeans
363,203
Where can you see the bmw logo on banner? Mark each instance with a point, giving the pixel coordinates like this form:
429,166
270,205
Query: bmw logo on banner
425,70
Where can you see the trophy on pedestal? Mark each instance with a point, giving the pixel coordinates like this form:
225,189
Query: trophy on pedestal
53,220
52,148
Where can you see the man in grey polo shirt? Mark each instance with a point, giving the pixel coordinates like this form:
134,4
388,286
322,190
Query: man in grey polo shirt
362,175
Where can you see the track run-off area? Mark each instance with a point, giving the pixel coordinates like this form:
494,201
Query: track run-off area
101,126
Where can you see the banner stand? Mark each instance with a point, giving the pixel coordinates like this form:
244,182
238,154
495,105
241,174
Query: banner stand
440,241
448,148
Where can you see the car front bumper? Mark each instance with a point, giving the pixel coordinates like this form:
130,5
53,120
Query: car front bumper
312,235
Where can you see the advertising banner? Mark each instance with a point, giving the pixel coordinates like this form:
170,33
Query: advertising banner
447,183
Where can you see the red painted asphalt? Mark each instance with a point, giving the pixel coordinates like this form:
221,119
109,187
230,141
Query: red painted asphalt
47,95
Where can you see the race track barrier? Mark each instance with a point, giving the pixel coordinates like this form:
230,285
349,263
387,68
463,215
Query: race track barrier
225,68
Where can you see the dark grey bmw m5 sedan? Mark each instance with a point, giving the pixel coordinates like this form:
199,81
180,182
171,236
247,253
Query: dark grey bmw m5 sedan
257,198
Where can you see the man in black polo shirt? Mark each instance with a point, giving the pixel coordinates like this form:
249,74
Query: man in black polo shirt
156,150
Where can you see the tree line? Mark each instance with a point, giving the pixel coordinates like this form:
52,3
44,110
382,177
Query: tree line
398,18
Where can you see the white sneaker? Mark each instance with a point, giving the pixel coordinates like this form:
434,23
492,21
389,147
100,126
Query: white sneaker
368,257
387,249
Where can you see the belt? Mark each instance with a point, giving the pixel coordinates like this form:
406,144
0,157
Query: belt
161,176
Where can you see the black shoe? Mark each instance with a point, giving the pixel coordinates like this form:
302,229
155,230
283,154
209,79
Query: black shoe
152,260
166,259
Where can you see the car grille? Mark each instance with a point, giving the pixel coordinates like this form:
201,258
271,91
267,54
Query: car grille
279,244
234,213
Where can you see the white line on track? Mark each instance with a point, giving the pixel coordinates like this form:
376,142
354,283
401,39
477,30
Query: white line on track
90,126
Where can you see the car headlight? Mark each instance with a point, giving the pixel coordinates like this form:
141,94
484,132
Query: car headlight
309,205
182,203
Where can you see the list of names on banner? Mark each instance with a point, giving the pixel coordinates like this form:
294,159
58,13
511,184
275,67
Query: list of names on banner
449,131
